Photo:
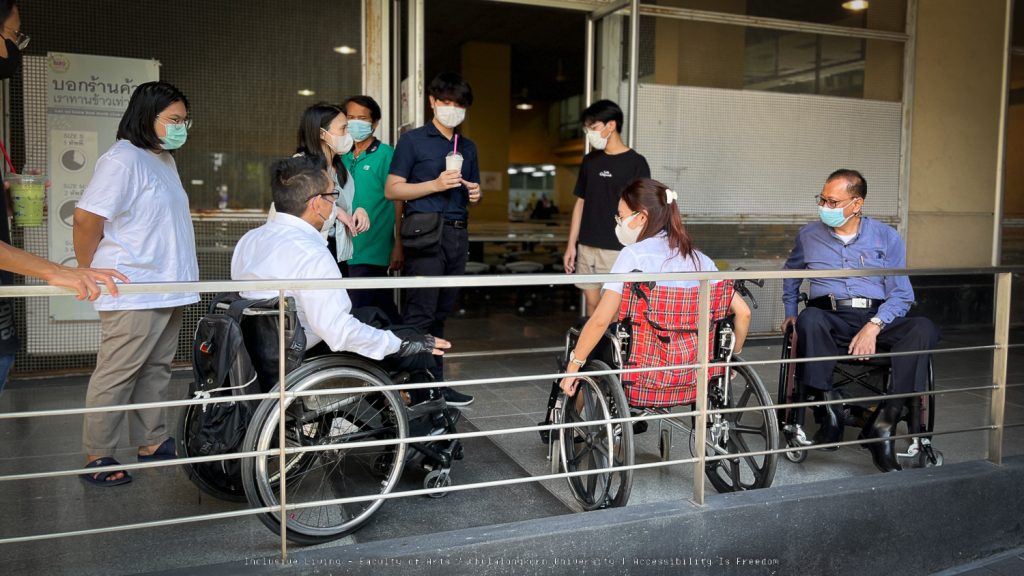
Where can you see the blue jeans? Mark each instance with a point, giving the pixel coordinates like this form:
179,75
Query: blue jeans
5,368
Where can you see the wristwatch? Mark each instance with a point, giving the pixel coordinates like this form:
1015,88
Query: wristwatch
877,322
573,359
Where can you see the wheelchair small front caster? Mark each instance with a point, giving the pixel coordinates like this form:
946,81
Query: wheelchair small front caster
796,456
437,479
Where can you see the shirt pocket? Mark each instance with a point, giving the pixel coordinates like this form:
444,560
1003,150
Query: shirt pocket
874,258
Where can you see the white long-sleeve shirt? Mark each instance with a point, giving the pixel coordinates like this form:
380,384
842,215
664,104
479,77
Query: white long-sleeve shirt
288,248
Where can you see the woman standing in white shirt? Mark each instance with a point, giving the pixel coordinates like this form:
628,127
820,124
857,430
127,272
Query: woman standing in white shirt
655,240
134,217
324,137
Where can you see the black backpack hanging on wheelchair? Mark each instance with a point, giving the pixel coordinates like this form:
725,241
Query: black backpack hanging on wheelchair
235,353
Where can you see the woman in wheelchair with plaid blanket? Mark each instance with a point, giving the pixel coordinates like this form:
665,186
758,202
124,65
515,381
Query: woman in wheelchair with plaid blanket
655,240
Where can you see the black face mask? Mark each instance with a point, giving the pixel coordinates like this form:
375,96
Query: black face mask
9,66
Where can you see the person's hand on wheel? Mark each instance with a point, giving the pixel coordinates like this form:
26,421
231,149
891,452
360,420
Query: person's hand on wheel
423,344
789,321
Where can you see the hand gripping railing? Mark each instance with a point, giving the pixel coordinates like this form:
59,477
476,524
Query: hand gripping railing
998,386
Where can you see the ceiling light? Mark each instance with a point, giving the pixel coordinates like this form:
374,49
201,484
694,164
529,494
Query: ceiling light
524,106
527,169
538,174
856,5
513,171
306,92
548,167
345,50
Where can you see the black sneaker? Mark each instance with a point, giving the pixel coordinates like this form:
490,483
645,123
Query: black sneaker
455,398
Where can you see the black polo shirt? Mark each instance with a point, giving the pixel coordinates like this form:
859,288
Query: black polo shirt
419,157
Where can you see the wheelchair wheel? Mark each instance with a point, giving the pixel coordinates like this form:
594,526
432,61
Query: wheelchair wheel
366,415
219,486
743,432
595,446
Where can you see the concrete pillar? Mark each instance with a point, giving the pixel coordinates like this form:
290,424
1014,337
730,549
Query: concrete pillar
488,69
957,96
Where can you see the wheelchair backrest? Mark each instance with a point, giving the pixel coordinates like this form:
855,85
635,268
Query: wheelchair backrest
258,326
662,322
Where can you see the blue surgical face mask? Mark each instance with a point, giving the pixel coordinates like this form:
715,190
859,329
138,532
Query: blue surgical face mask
176,136
360,129
833,217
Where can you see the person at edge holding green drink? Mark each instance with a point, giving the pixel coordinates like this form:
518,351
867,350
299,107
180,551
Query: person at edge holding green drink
83,281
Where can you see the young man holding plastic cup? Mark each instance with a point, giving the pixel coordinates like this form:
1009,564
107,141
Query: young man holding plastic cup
435,171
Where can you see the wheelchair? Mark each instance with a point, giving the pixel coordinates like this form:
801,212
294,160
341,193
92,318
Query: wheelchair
331,418
589,446
874,376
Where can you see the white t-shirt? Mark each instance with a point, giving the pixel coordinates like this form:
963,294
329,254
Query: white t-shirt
654,255
148,233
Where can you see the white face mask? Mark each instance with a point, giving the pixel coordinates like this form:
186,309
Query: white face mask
330,220
595,139
626,235
450,116
339,144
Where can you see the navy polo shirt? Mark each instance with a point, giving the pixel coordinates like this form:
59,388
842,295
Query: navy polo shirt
419,157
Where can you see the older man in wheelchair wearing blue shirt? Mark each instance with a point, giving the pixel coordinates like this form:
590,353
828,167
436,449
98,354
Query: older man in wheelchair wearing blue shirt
855,315
290,247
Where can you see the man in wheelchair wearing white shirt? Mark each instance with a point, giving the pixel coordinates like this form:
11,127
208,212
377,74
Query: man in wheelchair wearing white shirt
289,247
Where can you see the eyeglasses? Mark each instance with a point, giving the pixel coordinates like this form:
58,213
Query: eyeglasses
332,195
20,40
620,219
187,122
822,201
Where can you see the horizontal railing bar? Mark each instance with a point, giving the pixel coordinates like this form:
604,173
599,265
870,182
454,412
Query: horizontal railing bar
140,525
476,434
459,383
496,280
508,352
452,488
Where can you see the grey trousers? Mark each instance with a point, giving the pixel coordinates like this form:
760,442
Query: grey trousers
133,366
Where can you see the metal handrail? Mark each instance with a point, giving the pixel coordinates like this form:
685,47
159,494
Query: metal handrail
493,280
700,410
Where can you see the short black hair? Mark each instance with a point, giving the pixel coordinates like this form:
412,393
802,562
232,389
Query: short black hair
856,184
451,87
6,7
603,111
365,102
293,181
146,103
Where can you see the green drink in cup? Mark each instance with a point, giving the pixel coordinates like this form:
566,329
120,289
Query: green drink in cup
28,193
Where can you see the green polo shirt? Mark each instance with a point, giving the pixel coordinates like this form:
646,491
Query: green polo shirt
370,171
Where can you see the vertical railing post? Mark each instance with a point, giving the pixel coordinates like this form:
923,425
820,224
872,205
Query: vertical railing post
999,357
280,422
700,428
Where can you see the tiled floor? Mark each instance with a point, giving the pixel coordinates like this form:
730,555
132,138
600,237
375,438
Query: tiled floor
64,504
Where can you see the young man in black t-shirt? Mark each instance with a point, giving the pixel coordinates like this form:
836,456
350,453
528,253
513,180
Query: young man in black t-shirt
604,173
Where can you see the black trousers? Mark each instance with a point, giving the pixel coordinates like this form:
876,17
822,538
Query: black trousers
382,298
428,308
829,332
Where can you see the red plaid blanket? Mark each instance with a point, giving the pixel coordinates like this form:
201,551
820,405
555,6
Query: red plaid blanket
664,329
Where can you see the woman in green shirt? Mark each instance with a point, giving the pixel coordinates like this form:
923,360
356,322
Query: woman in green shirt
375,251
